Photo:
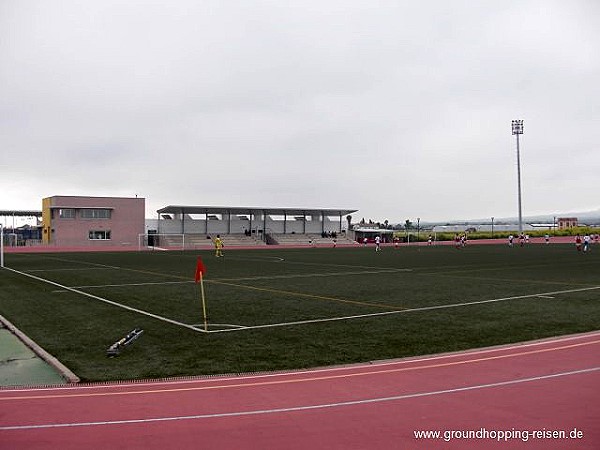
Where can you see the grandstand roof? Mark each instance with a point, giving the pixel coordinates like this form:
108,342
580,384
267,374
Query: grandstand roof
20,213
183,209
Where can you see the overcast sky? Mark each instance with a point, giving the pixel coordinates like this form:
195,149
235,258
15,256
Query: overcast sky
400,109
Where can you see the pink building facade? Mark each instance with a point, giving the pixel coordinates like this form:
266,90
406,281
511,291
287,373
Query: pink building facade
95,222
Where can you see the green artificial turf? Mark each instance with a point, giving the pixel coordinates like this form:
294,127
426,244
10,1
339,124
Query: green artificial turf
298,308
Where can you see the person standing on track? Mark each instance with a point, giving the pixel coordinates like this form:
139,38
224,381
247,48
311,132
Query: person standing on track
377,243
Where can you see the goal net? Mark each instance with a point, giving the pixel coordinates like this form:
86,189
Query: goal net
162,241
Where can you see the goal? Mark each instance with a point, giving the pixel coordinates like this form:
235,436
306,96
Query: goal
161,241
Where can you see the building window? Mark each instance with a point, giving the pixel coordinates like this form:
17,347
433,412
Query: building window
99,235
66,213
95,213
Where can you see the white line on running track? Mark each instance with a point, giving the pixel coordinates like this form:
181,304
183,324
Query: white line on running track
110,302
303,408
370,365
403,311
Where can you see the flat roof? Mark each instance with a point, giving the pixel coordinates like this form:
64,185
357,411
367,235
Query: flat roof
189,209
374,230
81,207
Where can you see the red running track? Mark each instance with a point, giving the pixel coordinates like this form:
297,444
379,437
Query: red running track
517,396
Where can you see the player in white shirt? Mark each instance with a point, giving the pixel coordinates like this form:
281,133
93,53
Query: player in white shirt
587,240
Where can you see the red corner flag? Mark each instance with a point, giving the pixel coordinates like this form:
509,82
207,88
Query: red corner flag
200,270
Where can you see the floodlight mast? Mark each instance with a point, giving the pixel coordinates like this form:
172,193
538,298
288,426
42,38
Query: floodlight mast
517,129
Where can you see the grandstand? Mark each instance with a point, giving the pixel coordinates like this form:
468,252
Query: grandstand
312,239
191,241
191,227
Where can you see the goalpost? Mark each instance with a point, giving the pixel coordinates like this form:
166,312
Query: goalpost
171,241
174,241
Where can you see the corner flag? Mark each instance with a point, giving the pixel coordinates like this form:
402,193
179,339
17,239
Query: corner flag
200,270
198,278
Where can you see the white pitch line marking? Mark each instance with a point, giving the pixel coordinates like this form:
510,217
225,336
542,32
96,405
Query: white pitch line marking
403,311
90,286
68,270
312,275
270,277
110,302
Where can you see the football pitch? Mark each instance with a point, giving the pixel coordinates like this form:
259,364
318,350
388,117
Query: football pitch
293,308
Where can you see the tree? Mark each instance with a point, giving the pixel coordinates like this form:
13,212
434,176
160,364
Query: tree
408,224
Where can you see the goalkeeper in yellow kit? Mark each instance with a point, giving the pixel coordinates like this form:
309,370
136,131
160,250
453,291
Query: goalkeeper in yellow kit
218,246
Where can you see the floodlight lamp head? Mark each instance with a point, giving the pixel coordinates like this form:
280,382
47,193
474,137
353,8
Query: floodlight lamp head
517,127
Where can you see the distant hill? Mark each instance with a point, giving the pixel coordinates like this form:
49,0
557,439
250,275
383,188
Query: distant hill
588,218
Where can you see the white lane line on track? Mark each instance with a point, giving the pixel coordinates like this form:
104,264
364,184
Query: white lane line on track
334,369
301,408
244,384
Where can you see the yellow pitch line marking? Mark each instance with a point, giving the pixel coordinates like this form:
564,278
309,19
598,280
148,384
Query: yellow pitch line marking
296,294
300,294
309,379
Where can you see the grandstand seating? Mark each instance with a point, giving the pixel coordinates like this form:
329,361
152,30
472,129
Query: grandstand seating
306,239
203,241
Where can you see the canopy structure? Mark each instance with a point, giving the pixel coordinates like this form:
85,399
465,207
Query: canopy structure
19,213
6,214
181,209
240,219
